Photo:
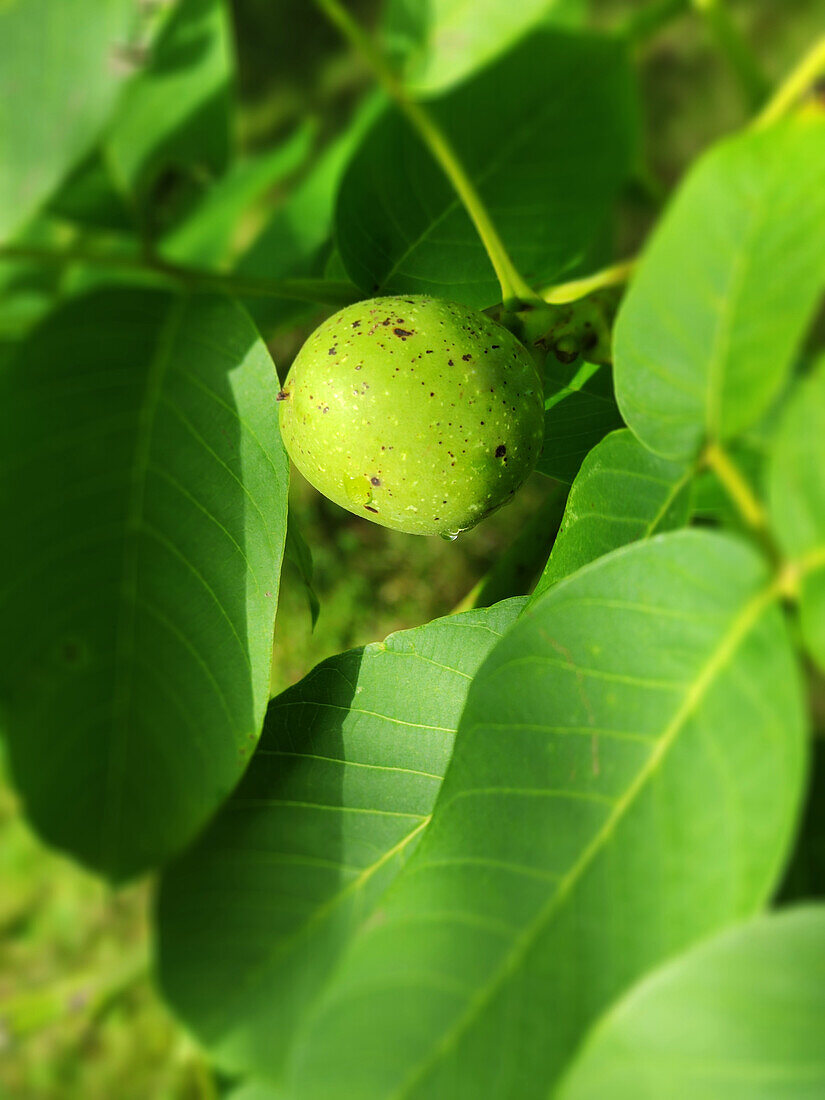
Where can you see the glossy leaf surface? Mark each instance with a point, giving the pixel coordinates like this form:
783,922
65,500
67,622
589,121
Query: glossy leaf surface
147,481
625,780
707,333
547,136
255,917
622,493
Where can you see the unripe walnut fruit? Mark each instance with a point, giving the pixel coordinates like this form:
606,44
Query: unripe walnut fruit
419,414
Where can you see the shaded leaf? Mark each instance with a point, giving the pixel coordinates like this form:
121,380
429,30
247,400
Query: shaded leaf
805,873
296,240
176,112
547,135
298,552
622,493
208,234
579,411
625,780
58,81
445,41
796,499
255,917
144,493
706,335
738,1018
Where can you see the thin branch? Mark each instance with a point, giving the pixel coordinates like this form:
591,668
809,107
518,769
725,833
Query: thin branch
513,286
323,291
801,78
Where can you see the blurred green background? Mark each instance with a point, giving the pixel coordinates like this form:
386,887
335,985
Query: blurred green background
78,1014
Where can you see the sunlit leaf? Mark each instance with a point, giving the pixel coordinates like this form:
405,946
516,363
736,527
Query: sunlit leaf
622,493
625,780
445,41
255,917
547,135
144,507
59,78
707,333
738,1018
176,112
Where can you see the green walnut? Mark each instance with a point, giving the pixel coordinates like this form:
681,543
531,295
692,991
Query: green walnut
419,414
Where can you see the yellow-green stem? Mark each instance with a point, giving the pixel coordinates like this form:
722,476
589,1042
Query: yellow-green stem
717,459
514,289
794,86
571,291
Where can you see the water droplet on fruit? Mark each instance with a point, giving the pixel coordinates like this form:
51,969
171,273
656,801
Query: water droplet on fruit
449,536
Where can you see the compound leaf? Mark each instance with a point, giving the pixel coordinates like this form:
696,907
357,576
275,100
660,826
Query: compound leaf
547,135
737,1018
625,780
144,499
622,493
254,918
707,333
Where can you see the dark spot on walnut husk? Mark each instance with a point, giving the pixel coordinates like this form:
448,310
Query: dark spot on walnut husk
466,358
501,451
402,332
332,351
283,395
369,508
376,480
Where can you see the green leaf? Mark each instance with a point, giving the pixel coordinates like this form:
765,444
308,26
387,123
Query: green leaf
255,917
796,500
445,41
295,241
707,334
175,113
58,81
208,234
805,873
738,1018
299,554
579,411
547,136
625,780
144,499
515,570
622,493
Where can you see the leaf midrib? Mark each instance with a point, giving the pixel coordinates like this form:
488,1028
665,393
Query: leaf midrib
124,644
740,627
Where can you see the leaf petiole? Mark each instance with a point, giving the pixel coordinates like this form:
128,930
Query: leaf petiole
514,289
716,458
794,86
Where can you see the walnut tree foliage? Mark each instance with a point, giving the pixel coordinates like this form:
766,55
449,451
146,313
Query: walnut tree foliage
531,849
